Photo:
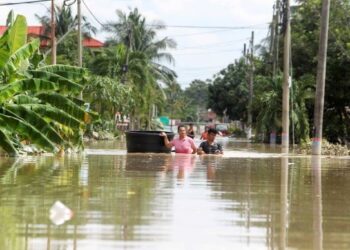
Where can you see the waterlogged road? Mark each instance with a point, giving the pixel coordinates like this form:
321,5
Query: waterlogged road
250,198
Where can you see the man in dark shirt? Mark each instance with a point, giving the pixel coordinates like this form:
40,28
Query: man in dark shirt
210,146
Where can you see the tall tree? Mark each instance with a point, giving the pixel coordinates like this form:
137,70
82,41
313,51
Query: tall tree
336,122
65,26
138,37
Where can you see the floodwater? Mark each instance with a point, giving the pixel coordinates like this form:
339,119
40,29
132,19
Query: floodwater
250,198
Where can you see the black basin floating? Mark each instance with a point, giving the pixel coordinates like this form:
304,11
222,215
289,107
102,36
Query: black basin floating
147,142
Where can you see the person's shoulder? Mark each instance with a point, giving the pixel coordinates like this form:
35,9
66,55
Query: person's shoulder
189,138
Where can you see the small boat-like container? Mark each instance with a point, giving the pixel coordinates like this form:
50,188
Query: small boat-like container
147,142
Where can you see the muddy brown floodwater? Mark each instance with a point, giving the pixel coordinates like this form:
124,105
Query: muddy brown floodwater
250,198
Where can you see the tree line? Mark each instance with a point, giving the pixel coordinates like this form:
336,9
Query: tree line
229,89
130,75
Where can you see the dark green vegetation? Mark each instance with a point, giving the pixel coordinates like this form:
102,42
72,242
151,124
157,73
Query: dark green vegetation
229,89
37,102
130,76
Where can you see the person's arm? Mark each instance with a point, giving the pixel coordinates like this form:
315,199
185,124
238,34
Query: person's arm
200,150
193,146
166,140
220,149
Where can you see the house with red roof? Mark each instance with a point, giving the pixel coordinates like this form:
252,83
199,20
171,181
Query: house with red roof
38,31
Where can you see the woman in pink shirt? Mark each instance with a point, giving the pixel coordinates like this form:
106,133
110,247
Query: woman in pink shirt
183,143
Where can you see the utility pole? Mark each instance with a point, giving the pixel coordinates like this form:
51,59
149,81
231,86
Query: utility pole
276,38
53,33
320,80
80,49
286,58
251,79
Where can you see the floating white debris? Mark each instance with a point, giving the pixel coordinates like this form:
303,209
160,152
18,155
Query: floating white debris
59,213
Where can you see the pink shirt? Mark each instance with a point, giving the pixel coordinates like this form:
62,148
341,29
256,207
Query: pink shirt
183,145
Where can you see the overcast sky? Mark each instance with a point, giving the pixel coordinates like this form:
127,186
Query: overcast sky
200,53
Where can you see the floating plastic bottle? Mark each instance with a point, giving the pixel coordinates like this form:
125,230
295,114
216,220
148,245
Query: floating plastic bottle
59,213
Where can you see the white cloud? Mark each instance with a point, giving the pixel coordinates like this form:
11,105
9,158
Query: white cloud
209,50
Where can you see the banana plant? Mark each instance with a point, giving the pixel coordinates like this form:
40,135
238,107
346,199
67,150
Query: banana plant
38,103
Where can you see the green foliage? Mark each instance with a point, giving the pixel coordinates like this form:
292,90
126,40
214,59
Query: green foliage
229,91
66,25
305,35
236,132
107,96
36,106
137,62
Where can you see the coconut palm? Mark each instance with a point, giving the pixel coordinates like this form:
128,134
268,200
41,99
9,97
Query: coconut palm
132,31
268,105
65,23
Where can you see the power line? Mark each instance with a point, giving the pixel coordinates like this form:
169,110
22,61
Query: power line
207,53
92,14
227,43
26,2
199,33
208,27
201,68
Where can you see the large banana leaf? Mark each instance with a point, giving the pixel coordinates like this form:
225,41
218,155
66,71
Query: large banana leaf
9,90
65,104
26,131
4,55
63,83
15,59
72,73
35,120
25,99
6,143
17,34
55,114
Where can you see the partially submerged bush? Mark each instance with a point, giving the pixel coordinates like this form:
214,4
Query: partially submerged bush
327,148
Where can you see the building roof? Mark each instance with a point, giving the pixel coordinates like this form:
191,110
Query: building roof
37,31
92,43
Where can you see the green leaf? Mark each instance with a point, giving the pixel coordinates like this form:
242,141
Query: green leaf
55,114
22,54
18,34
25,99
10,18
36,121
6,143
37,85
26,131
63,83
72,73
66,105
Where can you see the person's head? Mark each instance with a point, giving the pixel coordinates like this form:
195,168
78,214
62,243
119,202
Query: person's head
191,125
212,132
206,128
181,129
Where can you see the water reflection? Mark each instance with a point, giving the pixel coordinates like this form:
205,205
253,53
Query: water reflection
165,201
284,203
317,202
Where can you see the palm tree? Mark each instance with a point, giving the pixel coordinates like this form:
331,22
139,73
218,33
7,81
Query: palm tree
132,31
65,26
65,21
268,105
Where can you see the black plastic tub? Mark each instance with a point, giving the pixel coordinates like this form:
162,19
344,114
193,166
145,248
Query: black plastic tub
147,142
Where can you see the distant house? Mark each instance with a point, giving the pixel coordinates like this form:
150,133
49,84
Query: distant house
38,31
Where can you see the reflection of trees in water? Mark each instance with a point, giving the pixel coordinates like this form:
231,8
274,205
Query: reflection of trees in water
294,215
28,189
